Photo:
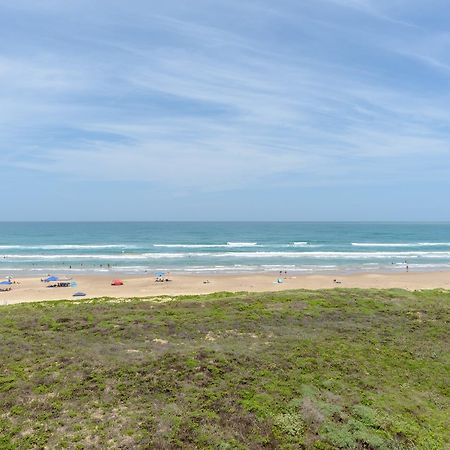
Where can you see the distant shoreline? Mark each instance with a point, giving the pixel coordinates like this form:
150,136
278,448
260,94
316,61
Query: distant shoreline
31,289
73,270
225,272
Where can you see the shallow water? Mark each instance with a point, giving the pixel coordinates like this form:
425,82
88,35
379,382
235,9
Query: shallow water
136,247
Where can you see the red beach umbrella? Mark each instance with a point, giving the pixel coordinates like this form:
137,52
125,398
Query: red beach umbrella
117,283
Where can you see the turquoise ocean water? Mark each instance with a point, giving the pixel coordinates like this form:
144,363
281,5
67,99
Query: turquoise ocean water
203,247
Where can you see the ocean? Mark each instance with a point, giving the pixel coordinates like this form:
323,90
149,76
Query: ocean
221,247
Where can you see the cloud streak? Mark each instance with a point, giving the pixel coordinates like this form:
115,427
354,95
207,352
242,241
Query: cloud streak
189,99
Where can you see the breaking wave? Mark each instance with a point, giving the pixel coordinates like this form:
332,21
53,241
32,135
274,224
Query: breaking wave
64,247
258,254
401,244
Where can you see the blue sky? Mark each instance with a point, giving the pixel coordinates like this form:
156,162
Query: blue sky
225,110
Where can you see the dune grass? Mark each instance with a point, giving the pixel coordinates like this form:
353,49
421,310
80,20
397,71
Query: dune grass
331,369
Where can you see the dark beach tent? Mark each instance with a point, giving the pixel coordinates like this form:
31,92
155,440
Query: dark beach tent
79,294
117,283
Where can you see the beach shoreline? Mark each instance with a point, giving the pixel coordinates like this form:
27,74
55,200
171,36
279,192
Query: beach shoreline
32,289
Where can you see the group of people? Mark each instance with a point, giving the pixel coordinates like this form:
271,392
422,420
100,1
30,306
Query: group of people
161,280
162,277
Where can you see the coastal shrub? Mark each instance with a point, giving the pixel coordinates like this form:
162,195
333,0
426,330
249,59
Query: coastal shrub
322,370
7,383
290,423
338,435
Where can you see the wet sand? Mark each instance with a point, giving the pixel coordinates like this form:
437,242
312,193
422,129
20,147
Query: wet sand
32,289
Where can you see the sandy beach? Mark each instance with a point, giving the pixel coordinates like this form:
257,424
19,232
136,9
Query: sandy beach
31,289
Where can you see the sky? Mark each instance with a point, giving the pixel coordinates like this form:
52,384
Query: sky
225,110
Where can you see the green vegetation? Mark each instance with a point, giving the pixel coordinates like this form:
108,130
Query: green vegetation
357,369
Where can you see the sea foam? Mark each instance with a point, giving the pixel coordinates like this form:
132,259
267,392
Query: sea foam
401,244
231,254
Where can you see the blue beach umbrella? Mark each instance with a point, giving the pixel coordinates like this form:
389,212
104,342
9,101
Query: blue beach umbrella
6,282
51,279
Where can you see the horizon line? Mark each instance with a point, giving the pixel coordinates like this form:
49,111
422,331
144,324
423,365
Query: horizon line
232,221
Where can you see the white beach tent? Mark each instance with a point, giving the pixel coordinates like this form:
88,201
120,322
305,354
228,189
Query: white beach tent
5,285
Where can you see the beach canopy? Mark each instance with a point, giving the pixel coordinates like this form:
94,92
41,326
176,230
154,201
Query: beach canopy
79,294
51,279
6,282
117,283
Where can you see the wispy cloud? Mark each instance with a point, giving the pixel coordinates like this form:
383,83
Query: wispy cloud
185,98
